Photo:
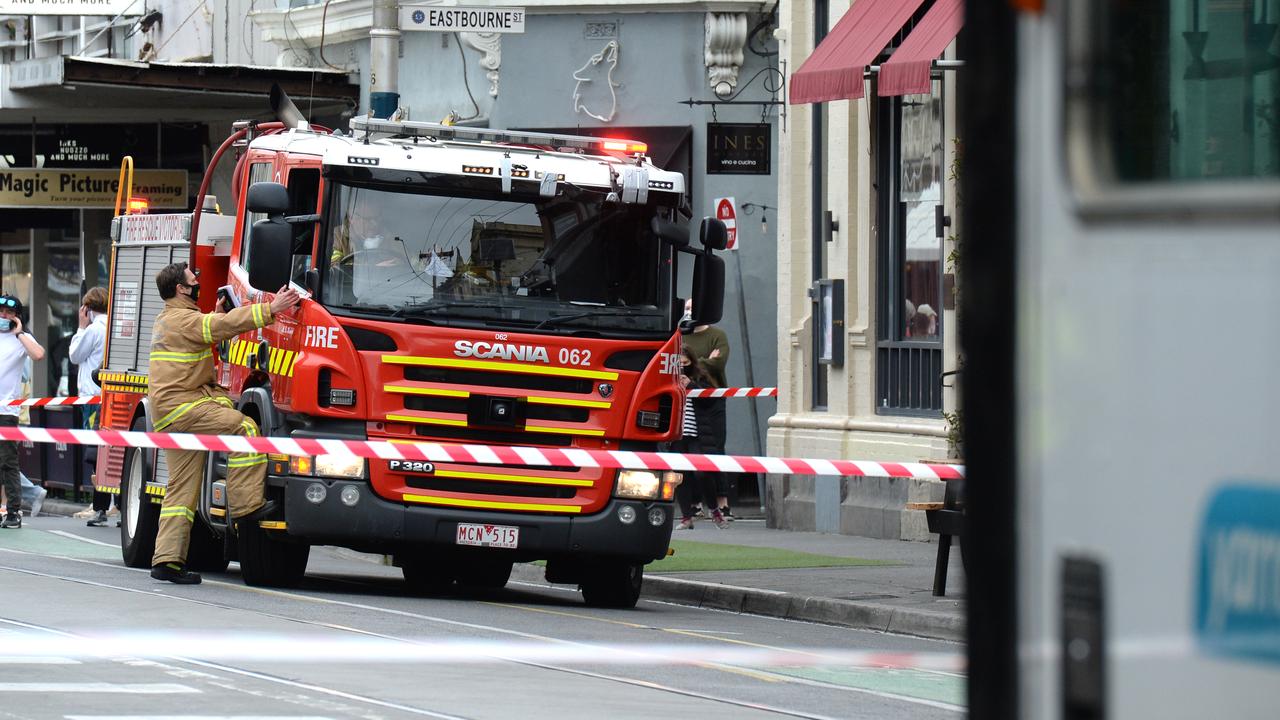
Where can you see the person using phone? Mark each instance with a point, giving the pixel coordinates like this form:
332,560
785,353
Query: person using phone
86,352
16,345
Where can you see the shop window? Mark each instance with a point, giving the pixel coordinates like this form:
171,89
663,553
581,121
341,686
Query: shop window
910,254
1182,90
258,172
304,199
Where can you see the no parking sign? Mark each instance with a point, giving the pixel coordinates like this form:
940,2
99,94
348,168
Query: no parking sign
727,212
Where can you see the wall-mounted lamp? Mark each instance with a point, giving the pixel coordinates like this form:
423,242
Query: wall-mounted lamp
750,208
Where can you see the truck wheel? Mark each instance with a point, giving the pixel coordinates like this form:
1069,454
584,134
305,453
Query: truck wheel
490,574
428,576
207,552
613,586
266,561
139,517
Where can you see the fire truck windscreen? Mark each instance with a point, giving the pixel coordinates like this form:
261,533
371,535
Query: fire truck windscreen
565,263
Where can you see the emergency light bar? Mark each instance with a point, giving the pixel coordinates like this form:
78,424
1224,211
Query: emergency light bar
371,126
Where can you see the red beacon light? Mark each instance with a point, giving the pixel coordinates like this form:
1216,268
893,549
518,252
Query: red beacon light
137,206
629,147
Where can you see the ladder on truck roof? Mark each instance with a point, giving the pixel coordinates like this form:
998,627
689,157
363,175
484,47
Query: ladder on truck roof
406,128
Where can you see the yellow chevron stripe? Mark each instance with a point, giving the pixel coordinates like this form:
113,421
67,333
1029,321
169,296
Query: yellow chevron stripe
563,431
436,392
273,524
491,504
499,366
503,477
569,402
292,362
427,420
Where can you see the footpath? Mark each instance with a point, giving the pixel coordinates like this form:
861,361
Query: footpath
883,585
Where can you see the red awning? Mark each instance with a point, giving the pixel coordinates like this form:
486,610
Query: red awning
834,71
907,70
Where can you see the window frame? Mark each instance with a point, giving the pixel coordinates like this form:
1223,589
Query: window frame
1096,192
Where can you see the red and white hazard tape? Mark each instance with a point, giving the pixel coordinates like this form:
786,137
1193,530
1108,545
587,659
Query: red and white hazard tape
489,454
734,392
41,402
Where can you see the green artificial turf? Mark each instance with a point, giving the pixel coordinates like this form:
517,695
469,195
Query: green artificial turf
694,556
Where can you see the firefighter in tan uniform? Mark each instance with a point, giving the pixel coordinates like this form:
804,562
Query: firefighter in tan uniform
185,398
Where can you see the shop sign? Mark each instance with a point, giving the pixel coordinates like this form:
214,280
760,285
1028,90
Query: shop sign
739,149
462,19
71,7
54,188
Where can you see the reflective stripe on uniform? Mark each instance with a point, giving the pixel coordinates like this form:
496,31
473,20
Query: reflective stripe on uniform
178,511
178,412
239,461
207,328
224,401
181,357
250,428
257,315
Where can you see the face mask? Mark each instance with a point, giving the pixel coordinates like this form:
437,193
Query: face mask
686,321
195,292
6,325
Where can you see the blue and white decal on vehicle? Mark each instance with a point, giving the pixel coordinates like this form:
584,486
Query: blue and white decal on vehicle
1238,595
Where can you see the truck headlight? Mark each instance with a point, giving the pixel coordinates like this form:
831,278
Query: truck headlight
343,466
639,484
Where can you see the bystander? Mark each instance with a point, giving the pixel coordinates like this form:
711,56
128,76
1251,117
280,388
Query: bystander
16,346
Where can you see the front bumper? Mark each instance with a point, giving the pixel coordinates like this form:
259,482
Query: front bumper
376,524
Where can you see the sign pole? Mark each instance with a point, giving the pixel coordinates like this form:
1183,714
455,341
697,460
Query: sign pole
751,375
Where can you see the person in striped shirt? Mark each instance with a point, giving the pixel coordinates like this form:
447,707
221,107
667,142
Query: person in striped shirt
696,437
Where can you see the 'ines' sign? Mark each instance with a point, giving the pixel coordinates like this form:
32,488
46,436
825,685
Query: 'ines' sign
738,149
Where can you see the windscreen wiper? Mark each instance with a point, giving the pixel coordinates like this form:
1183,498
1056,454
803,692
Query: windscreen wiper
429,308
560,319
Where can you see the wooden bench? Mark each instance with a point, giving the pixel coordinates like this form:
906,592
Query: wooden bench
946,520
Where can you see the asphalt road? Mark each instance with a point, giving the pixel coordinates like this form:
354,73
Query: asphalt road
82,636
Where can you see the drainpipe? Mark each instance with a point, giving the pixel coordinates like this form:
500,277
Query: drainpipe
384,52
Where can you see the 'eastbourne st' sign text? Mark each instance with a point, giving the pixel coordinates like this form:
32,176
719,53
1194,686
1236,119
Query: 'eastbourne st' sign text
462,19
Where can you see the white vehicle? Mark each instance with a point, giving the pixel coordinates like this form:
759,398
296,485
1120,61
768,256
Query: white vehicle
1122,241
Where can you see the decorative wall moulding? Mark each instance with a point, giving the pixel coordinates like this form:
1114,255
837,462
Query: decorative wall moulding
726,38
490,47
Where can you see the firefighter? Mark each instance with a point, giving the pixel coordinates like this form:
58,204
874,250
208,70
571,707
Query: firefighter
185,398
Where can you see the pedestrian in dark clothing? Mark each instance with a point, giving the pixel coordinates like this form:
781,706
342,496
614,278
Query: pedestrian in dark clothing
710,349
697,485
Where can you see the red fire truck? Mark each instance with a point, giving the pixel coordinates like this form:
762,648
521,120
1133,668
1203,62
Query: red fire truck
462,285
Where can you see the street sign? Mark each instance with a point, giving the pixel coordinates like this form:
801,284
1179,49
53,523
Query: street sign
727,212
72,7
436,18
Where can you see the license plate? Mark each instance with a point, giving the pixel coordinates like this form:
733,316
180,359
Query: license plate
497,536
411,466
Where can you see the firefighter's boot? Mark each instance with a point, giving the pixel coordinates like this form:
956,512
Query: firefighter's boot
175,573
268,508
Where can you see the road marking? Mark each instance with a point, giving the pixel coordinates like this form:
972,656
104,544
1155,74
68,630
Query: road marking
497,630
195,717
23,660
99,687
74,536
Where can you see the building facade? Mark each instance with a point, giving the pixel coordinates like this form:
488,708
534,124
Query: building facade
641,70
866,258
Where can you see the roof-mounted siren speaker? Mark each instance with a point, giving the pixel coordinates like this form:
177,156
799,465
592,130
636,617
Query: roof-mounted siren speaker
286,112
635,185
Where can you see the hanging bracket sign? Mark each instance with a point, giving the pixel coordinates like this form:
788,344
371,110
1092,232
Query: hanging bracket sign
739,149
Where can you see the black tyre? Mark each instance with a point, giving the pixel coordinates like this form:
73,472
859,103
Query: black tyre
270,561
487,573
428,575
139,517
207,552
613,586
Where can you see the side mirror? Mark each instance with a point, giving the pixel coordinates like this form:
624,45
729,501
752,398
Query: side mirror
673,233
268,198
713,234
708,289
269,257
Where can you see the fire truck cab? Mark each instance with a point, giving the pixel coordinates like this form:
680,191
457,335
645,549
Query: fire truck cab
461,285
